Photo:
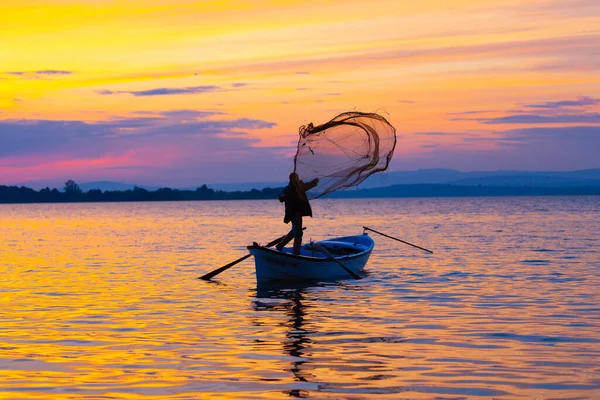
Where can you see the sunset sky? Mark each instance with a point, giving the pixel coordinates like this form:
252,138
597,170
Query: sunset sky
180,93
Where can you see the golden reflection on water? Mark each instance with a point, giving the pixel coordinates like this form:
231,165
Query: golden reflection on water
101,301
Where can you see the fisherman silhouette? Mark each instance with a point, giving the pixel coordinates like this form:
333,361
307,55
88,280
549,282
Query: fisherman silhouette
296,207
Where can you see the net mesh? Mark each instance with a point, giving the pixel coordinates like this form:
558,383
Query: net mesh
344,151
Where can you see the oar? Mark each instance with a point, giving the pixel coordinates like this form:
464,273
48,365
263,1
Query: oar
402,241
217,271
331,257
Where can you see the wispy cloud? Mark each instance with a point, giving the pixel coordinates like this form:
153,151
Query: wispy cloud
20,137
470,112
581,102
539,148
190,113
554,47
165,148
163,91
591,134
433,133
563,8
550,112
34,74
181,114
53,72
588,118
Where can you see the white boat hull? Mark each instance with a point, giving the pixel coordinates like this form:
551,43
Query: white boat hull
274,265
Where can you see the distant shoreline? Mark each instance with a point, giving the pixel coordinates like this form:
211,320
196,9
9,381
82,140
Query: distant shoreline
446,190
23,195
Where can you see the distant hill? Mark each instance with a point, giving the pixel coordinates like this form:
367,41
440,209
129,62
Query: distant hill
527,180
583,178
445,190
504,178
589,177
13,194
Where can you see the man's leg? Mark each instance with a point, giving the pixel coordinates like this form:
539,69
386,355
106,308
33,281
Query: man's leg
297,230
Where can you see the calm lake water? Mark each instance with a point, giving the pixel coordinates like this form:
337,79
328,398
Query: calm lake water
101,301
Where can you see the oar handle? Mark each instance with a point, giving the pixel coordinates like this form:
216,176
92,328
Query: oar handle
330,256
217,271
399,240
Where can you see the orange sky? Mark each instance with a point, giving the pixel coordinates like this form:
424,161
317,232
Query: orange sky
95,90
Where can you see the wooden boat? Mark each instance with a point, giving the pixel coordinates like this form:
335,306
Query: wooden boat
311,264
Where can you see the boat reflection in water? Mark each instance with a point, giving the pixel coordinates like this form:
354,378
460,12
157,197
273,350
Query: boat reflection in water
290,301
295,303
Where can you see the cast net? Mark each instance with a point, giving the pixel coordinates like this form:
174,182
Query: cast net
344,151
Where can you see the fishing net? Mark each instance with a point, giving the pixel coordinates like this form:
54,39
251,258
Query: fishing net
344,151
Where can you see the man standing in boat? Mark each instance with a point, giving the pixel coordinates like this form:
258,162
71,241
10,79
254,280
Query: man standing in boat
296,207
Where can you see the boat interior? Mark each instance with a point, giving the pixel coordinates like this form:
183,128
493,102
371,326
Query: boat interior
337,248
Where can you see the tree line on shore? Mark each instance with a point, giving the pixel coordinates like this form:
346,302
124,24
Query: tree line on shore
73,193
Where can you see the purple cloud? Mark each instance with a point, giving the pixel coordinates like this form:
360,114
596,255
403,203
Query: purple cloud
23,137
582,102
470,112
171,91
27,137
590,134
181,114
551,112
154,150
127,123
540,148
588,118
185,114
433,133
54,72
163,91
34,74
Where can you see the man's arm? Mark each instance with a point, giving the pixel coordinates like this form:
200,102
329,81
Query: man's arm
311,184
